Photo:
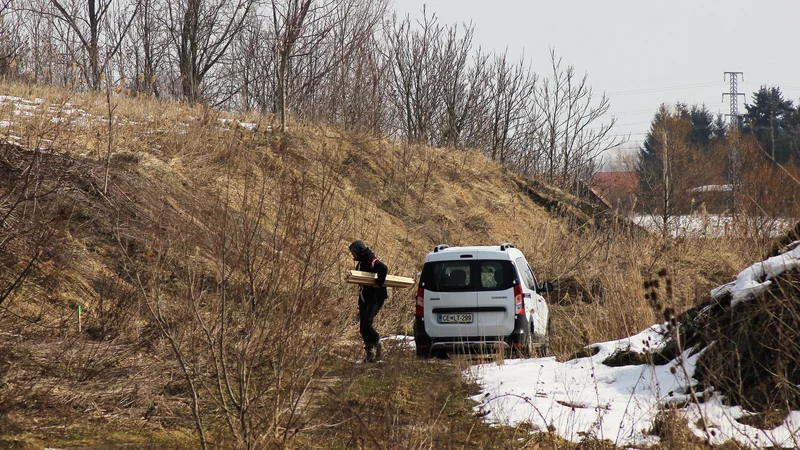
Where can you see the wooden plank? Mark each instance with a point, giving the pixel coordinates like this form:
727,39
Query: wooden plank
368,279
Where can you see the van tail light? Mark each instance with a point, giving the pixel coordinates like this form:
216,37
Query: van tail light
519,302
420,302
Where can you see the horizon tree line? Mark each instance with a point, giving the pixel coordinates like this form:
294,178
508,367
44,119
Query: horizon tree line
692,161
353,64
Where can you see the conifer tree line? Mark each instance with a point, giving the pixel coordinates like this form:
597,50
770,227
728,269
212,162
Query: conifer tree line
691,159
353,64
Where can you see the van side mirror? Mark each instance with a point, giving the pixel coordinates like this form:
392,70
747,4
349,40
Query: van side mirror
545,287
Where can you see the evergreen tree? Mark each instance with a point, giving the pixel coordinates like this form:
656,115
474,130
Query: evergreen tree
702,122
702,126
769,119
650,165
703,129
719,129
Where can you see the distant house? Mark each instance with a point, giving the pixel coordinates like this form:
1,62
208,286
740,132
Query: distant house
712,198
616,189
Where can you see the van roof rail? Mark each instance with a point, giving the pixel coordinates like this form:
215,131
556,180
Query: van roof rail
440,247
506,245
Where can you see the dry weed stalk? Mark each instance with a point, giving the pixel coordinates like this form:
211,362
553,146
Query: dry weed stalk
251,316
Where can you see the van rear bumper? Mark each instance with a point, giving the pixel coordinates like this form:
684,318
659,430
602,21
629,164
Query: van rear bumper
518,337
482,345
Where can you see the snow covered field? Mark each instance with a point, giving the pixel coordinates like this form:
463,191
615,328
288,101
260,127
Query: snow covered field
714,225
68,114
583,397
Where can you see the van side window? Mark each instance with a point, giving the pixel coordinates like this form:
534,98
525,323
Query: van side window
526,273
533,277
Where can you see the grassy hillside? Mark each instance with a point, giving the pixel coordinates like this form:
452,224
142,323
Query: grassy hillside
207,253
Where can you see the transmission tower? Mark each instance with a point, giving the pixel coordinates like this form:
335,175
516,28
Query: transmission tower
735,158
734,95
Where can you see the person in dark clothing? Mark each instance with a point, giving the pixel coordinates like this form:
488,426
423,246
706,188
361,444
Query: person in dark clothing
370,298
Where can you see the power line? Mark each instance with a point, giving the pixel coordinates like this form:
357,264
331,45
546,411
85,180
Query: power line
664,88
631,124
756,83
629,113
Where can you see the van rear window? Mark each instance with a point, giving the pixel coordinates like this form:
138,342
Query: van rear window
475,275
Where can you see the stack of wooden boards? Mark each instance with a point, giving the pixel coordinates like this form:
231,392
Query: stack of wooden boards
368,279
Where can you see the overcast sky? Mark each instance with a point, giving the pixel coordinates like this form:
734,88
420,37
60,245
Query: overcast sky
643,53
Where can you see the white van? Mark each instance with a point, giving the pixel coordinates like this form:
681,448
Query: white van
480,298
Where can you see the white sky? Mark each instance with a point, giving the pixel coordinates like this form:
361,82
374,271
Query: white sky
642,53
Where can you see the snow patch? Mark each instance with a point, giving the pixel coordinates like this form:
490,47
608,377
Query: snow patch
401,341
756,279
712,225
714,188
584,398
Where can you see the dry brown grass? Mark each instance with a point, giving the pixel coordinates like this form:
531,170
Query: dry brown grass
198,205
753,350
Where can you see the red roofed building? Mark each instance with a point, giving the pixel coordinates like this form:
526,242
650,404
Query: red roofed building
616,189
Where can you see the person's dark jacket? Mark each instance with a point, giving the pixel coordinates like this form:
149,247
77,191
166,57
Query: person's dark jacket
367,262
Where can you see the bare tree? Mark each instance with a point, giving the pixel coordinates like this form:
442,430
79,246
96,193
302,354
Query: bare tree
572,133
676,167
11,44
88,26
334,78
414,87
463,87
299,26
49,56
511,87
241,76
262,87
201,32
148,46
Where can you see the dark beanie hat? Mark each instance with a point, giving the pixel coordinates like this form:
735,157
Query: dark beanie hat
358,247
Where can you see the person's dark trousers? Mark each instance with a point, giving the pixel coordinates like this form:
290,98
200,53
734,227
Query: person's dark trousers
366,313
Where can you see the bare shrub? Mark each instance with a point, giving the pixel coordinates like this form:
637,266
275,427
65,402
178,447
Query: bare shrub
249,314
753,351
673,429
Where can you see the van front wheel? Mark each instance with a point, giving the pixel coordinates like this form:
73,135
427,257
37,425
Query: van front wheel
546,350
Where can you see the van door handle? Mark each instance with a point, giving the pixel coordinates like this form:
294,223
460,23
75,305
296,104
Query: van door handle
526,295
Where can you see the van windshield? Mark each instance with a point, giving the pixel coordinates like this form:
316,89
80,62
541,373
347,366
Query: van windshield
475,275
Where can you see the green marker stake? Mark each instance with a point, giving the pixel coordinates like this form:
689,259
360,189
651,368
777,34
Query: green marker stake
79,318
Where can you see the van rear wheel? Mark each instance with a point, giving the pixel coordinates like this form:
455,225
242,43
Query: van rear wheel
525,350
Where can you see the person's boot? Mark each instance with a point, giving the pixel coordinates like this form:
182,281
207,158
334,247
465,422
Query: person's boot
370,357
379,352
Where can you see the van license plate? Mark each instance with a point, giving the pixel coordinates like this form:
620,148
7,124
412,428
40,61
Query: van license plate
455,318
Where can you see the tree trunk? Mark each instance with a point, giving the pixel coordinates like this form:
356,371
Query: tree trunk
667,187
282,71
94,50
188,52
772,129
